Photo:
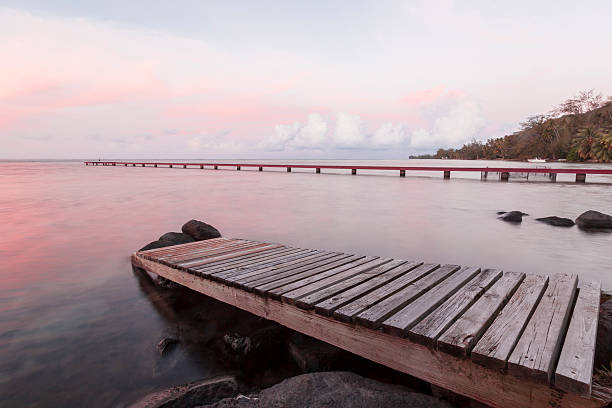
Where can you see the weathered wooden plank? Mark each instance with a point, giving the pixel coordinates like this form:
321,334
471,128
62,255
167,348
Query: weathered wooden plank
194,261
379,312
348,312
289,271
200,254
185,248
289,265
303,276
177,250
575,367
537,350
488,386
402,319
494,347
462,335
196,244
340,299
257,248
433,325
345,284
250,259
230,273
308,286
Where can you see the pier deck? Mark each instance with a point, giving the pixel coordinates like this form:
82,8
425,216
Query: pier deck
503,172
506,339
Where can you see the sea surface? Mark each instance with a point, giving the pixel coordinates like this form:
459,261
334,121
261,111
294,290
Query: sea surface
78,329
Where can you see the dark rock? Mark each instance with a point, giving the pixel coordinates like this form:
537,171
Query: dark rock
312,355
501,212
603,348
191,395
513,216
200,231
241,345
176,238
166,345
155,245
334,389
594,219
556,221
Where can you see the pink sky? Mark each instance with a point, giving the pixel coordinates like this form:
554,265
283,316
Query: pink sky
76,83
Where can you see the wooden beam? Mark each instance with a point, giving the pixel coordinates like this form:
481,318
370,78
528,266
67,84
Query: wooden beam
458,375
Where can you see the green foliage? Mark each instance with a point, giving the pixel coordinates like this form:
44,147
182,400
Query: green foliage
574,130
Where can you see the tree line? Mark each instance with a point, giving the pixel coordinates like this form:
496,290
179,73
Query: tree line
578,129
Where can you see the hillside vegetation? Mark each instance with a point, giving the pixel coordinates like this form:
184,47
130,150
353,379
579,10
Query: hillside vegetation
579,129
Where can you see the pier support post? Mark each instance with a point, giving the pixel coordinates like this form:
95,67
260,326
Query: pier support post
288,169
504,176
552,177
155,165
353,172
318,170
402,173
184,166
260,168
125,164
133,164
216,167
201,166
170,166
143,164
237,167
580,177
446,174
114,164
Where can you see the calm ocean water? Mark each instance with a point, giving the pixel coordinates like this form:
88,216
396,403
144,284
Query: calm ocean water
77,329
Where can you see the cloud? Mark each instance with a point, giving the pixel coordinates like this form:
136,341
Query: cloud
460,124
311,135
452,123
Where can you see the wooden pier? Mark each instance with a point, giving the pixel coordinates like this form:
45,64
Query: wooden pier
503,172
506,339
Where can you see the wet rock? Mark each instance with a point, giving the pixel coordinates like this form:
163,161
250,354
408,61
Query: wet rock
200,231
603,349
155,245
556,221
513,216
314,355
334,389
501,212
176,238
241,345
191,395
594,220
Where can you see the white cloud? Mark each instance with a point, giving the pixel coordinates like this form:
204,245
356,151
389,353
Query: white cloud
312,135
389,135
462,123
350,131
455,123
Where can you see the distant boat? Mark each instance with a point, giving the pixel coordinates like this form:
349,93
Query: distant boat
537,160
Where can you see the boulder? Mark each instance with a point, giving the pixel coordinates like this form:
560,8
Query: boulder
200,231
176,238
313,355
155,245
191,395
556,221
594,219
334,389
513,216
603,349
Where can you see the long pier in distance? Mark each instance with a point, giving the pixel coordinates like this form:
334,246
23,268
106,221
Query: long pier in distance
503,172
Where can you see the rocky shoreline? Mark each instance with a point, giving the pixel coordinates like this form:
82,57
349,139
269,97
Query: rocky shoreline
264,364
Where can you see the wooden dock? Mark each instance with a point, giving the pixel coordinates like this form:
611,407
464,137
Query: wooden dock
506,339
503,172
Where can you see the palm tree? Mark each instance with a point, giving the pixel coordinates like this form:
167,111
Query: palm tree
584,142
602,148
